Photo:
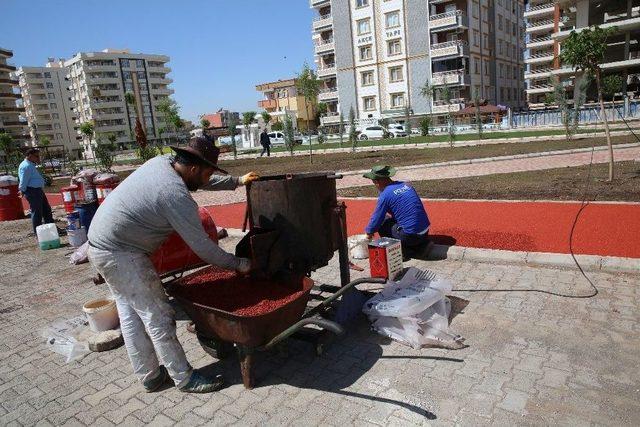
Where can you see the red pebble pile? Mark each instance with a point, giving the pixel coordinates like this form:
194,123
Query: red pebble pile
244,296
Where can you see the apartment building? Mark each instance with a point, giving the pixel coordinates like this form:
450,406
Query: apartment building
99,81
377,55
281,97
10,110
221,118
549,23
47,106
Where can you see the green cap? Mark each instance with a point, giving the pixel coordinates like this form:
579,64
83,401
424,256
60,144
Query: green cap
380,171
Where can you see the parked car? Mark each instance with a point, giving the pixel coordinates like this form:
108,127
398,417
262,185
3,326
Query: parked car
373,132
396,131
278,138
51,164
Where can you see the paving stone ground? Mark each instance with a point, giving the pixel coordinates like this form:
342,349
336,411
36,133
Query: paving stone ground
532,359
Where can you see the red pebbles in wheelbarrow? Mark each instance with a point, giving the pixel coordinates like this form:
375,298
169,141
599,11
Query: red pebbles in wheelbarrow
243,296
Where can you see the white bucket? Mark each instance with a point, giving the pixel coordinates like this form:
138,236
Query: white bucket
359,246
102,314
77,237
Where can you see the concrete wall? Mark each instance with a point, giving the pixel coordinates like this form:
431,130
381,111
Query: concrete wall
418,45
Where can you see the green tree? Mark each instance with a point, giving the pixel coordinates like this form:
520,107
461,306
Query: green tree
170,112
130,98
353,134
611,85
277,126
476,102
425,125
105,154
45,141
321,111
288,133
266,118
341,127
585,51
445,94
248,118
231,127
87,129
6,142
205,124
308,86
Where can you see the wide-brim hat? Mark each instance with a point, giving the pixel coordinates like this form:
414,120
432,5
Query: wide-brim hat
378,172
203,149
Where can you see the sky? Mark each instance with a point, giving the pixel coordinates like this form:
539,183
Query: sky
219,49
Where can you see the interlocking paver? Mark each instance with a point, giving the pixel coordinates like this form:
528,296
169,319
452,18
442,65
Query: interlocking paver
532,359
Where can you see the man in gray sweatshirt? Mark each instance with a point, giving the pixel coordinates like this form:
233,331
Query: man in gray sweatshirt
129,226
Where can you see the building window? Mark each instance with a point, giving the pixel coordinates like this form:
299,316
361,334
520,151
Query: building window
364,26
486,68
477,66
49,85
369,103
366,78
395,74
394,47
392,19
365,52
476,38
397,100
56,125
51,95
53,106
500,26
124,62
475,9
139,63
47,75
501,70
362,3
55,116
58,136
500,51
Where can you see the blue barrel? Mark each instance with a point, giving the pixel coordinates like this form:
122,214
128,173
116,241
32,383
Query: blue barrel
73,220
86,211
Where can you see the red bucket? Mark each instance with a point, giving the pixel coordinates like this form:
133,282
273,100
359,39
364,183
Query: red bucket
175,255
70,195
10,203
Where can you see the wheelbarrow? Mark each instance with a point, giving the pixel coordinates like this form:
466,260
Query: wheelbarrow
219,329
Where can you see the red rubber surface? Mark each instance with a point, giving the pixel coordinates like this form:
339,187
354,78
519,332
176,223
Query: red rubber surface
609,229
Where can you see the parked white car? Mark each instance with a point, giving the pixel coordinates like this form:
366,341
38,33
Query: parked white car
372,132
396,131
277,138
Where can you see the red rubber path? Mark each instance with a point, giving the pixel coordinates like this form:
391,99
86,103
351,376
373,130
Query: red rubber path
608,229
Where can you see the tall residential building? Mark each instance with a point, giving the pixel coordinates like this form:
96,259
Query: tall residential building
48,109
99,82
281,97
549,23
377,55
9,109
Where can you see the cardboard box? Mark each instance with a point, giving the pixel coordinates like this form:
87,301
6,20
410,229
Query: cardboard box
385,257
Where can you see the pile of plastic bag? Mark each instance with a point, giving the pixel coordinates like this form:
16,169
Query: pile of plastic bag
414,311
63,338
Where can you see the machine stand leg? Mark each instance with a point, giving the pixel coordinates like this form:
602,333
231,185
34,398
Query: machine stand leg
245,355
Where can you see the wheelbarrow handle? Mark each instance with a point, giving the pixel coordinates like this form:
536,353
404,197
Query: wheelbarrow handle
342,290
323,323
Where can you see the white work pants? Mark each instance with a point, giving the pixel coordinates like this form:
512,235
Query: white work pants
147,320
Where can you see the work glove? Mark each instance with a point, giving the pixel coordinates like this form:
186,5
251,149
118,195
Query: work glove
244,265
250,177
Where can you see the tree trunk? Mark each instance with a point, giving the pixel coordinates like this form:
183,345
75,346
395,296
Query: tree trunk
606,126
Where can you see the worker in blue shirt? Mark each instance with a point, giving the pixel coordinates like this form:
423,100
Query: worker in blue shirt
31,186
399,212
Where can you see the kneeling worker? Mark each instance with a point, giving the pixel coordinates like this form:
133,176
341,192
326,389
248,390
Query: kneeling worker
129,226
399,213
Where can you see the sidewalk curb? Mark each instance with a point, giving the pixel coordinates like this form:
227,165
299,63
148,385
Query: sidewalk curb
593,263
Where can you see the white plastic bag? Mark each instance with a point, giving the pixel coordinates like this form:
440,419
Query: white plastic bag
80,256
62,338
414,311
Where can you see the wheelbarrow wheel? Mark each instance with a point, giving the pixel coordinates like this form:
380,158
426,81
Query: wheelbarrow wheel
215,348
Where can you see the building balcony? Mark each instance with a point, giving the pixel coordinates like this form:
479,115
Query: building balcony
450,78
102,80
6,53
330,118
13,124
98,68
161,81
620,26
326,71
324,46
449,49
443,108
268,104
11,109
159,69
539,58
110,128
322,22
540,41
319,3
9,81
539,10
10,95
105,104
327,94
162,91
538,73
440,1
107,92
448,21
542,26
540,88
7,67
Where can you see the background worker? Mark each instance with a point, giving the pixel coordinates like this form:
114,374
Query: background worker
130,225
265,141
399,212
31,186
